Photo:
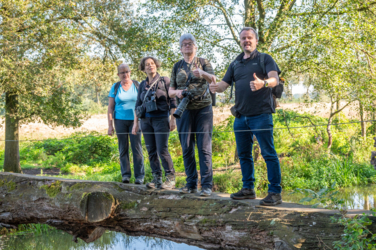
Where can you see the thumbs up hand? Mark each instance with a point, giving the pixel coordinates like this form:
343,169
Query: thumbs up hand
257,83
197,72
213,85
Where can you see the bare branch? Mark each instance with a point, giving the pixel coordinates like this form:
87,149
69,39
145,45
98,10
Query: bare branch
228,20
365,8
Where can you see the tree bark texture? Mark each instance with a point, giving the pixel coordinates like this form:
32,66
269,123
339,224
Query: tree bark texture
362,123
329,132
86,209
12,150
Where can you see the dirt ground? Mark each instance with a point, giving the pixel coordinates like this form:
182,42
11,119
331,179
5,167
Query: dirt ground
98,123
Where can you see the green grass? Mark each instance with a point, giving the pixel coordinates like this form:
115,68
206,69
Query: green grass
305,160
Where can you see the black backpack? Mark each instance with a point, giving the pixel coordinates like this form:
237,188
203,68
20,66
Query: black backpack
117,86
276,91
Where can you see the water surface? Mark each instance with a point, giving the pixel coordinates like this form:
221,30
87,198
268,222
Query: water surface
355,197
56,239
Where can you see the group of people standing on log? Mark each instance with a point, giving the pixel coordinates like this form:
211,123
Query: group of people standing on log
150,105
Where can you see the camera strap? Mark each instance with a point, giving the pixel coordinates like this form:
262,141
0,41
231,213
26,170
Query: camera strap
147,92
190,73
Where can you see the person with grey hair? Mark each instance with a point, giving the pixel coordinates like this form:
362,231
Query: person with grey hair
191,77
254,75
121,105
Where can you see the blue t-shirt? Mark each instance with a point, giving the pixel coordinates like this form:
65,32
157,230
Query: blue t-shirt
125,102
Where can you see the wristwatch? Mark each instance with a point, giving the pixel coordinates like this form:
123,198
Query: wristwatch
266,84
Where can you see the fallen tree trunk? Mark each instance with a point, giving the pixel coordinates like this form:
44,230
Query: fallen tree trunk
85,209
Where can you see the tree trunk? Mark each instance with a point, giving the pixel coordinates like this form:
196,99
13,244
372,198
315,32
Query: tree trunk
12,150
329,132
98,100
86,209
362,123
249,14
374,122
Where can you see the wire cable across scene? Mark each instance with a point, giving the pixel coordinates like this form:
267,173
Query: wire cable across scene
214,131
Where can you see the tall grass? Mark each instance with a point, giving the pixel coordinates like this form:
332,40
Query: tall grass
305,160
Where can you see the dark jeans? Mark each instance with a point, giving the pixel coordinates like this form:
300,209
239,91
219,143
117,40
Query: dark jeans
123,131
244,143
157,144
201,121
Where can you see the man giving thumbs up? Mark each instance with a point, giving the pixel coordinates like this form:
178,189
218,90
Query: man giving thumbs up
254,106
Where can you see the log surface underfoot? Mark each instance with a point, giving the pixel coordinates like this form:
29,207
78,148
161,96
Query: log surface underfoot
85,209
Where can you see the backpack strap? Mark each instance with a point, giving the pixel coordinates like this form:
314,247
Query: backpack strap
177,66
262,63
136,83
202,62
116,88
168,98
213,96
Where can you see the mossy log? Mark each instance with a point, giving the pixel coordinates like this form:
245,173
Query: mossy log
85,209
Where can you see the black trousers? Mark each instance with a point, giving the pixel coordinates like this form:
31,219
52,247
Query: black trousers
201,121
156,131
124,131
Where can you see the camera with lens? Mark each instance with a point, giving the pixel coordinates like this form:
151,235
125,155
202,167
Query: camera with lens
151,103
188,96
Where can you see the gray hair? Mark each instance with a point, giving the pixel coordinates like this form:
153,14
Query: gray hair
250,28
123,65
187,36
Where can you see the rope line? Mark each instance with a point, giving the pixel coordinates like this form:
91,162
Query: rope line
214,132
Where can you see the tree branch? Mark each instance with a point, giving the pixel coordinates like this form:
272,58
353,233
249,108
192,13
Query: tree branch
261,21
274,29
228,20
333,13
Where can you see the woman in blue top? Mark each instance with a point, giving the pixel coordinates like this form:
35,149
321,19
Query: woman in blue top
122,100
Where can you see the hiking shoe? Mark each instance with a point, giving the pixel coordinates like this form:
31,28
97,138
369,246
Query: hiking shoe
244,193
139,181
205,192
125,179
271,200
169,183
187,190
154,183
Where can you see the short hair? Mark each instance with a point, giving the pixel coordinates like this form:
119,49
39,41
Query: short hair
143,60
123,65
249,28
187,36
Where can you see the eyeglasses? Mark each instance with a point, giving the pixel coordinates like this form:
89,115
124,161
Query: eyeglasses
123,73
187,44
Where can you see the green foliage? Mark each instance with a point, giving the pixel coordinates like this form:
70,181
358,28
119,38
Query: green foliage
89,149
228,182
36,229
357,235
305,162
326,197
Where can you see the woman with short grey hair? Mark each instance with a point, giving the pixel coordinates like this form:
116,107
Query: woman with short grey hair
191,77
121,105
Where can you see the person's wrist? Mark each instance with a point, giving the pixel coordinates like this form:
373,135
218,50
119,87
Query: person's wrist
266,84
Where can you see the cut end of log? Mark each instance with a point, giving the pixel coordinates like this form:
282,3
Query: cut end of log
97,206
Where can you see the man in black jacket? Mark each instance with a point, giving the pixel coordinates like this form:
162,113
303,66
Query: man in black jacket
254,107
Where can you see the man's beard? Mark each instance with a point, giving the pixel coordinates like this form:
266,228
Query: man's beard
253,53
